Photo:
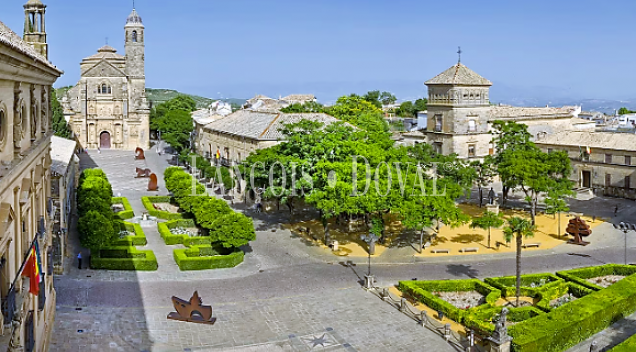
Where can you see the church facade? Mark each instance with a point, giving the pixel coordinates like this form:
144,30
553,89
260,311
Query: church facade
108,107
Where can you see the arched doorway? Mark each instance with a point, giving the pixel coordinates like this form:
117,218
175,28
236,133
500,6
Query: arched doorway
104,140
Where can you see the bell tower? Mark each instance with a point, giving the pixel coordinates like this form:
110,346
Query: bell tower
34,26
134,46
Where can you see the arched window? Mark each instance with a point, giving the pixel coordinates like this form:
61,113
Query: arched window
104,88
134,36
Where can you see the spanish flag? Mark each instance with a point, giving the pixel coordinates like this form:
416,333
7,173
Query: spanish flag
33,269
218,154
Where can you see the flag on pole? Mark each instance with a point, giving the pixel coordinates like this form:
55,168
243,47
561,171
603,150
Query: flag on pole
588,150
218,154
33,269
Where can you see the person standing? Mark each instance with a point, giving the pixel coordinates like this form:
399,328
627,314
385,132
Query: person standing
615,210
79,260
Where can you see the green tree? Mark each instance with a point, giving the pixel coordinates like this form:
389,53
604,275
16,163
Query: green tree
180,102
310,106
233,230
407,109
421,104
95,230
372,97
521,164
625,111
387,98
519,228
58,122
175,127
484,175
555,204
486,222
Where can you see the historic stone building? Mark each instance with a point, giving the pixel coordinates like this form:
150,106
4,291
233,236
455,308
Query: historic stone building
460,115
108,105
26,79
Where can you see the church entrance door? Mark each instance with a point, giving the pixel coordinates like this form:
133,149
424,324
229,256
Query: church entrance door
104,140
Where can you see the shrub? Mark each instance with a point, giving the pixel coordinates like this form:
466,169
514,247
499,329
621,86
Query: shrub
123,258
579,276
97,204
139,239
570,324
95,230
233,230
628,345
127,213
160,214
193,258
169,238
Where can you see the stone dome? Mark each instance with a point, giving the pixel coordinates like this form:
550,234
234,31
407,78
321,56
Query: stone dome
134,18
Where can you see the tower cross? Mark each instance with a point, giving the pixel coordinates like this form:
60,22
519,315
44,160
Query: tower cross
106,40
133,4
459,54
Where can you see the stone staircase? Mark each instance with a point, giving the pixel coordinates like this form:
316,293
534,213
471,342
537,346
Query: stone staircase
583,193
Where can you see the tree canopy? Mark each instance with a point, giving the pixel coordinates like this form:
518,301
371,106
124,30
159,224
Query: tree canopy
58,122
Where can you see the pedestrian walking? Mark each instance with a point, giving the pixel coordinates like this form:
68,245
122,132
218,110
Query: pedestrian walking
615,210
79,260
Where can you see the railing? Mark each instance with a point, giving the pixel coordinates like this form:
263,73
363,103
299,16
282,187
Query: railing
457,340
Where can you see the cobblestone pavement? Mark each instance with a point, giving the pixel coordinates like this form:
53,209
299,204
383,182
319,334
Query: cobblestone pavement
334,320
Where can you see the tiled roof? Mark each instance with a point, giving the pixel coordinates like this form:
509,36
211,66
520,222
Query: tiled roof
299,97
459,75
262,125
520,112
62,151
105,52
12,40
598,140
134,18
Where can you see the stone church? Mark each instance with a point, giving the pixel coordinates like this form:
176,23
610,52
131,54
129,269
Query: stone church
108,107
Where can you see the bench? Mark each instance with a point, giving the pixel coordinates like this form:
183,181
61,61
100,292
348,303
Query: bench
466,250
528,245
440,251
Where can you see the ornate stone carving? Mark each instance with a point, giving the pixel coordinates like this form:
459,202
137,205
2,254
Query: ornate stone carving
44,114
34,113
17,116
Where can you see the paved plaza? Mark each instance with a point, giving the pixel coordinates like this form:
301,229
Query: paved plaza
288,294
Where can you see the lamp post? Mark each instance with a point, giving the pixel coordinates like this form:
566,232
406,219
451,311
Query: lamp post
625,227
370,239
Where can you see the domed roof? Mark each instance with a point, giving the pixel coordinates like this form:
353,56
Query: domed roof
37,3
105,52
107,49
133,17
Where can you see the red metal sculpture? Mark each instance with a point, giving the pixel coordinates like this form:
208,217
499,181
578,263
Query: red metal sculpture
578,229
152,184
139,154
193,311
143,172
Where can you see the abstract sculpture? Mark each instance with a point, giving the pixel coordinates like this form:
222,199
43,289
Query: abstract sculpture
578,229
193,311
143,172
152,184
139,154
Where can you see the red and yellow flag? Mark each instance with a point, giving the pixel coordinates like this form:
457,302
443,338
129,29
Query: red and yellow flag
33,269
218,154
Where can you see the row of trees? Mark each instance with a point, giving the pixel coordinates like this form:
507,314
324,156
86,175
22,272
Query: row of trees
96,225
58,122
173,119
228,228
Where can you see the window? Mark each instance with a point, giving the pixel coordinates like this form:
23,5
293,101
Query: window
608,158
2,126
472,126
437,147
608,180
491,149
627,183
438,123
549,150
134,36
471,150
628,160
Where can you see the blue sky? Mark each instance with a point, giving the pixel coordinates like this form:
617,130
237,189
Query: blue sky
237,48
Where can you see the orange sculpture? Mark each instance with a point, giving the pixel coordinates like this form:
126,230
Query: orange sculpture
139,154
152,184
578,228
143,172
193,311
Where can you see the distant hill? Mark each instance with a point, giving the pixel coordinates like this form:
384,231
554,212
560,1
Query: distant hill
59,92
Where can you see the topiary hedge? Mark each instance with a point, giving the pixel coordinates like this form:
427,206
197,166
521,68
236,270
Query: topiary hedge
149,202
628,345
125,214
576,321
170,239
206,257
139,239
123,258
579,276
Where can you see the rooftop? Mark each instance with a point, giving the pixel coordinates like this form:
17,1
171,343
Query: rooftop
262,125
134,18
62,152
12,40
520,112
299,97
598,140
459,75
105,52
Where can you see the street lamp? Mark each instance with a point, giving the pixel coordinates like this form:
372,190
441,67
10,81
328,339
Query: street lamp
625,227
370,239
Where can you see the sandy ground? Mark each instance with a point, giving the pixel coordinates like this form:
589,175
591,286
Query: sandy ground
453,239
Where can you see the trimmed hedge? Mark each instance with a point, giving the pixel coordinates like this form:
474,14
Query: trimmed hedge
200,258
160,214
169,238
125,214
139,239
576,321
579,276
628,345
123,258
